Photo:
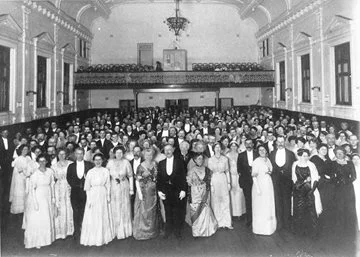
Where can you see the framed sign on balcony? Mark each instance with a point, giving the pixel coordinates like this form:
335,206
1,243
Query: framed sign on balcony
175,60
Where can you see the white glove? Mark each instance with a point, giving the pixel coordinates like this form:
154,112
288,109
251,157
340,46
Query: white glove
182,195
162,195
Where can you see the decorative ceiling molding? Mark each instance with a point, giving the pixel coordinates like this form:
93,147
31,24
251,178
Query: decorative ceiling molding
290,18
60,18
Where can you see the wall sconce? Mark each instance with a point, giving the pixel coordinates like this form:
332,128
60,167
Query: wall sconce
30,92
269,89
59,92
288,89
318,88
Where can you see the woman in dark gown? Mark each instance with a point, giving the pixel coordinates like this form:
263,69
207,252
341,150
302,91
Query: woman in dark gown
146,218
344,219
307,204
326,187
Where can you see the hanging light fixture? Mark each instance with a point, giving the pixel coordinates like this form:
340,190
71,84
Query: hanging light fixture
177,23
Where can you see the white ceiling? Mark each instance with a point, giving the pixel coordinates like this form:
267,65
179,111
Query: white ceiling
263,12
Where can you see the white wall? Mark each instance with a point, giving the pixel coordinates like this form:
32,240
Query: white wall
216,33
327,25
24,23
109,98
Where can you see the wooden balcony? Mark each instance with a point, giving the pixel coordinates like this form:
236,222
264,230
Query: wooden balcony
174,79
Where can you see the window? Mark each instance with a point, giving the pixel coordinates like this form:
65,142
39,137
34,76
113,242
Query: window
66,92
343,74
83,48
282,80
4,78
41,82
265,47
305,78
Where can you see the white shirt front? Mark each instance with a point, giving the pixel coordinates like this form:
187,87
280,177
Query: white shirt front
77,137
165,133
6,143
187,127
136,164
280,157
211,150
271,146
169,165
80,169
102,140
250,157
205,131
331,152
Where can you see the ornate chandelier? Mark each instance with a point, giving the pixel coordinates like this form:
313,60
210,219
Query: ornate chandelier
177,23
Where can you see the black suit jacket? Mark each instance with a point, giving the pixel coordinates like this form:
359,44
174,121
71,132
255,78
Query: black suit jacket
266,145
210,131
76,184
105,148
132,166
244,170
6,155
207,151
173,184
283,174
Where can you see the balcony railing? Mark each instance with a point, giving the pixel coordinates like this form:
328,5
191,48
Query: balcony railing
165,79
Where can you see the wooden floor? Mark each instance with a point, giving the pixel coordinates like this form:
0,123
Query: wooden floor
238,242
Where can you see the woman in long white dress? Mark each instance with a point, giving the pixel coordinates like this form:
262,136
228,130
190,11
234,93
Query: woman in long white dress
356,184
263,201
18,182
64,223
32,166
97,226
220,187
40,228
121,188
237,198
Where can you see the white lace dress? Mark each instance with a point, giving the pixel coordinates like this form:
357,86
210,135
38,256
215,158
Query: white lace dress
64,222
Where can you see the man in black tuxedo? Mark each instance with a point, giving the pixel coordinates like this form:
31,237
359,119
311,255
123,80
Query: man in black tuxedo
282,160
209,152
76,174
104,144
171,185
183,152
244,166
206,129
6,153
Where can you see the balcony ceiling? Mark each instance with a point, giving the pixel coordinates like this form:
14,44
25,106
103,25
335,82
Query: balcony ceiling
263,12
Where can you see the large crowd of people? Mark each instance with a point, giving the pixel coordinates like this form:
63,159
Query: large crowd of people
149,173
